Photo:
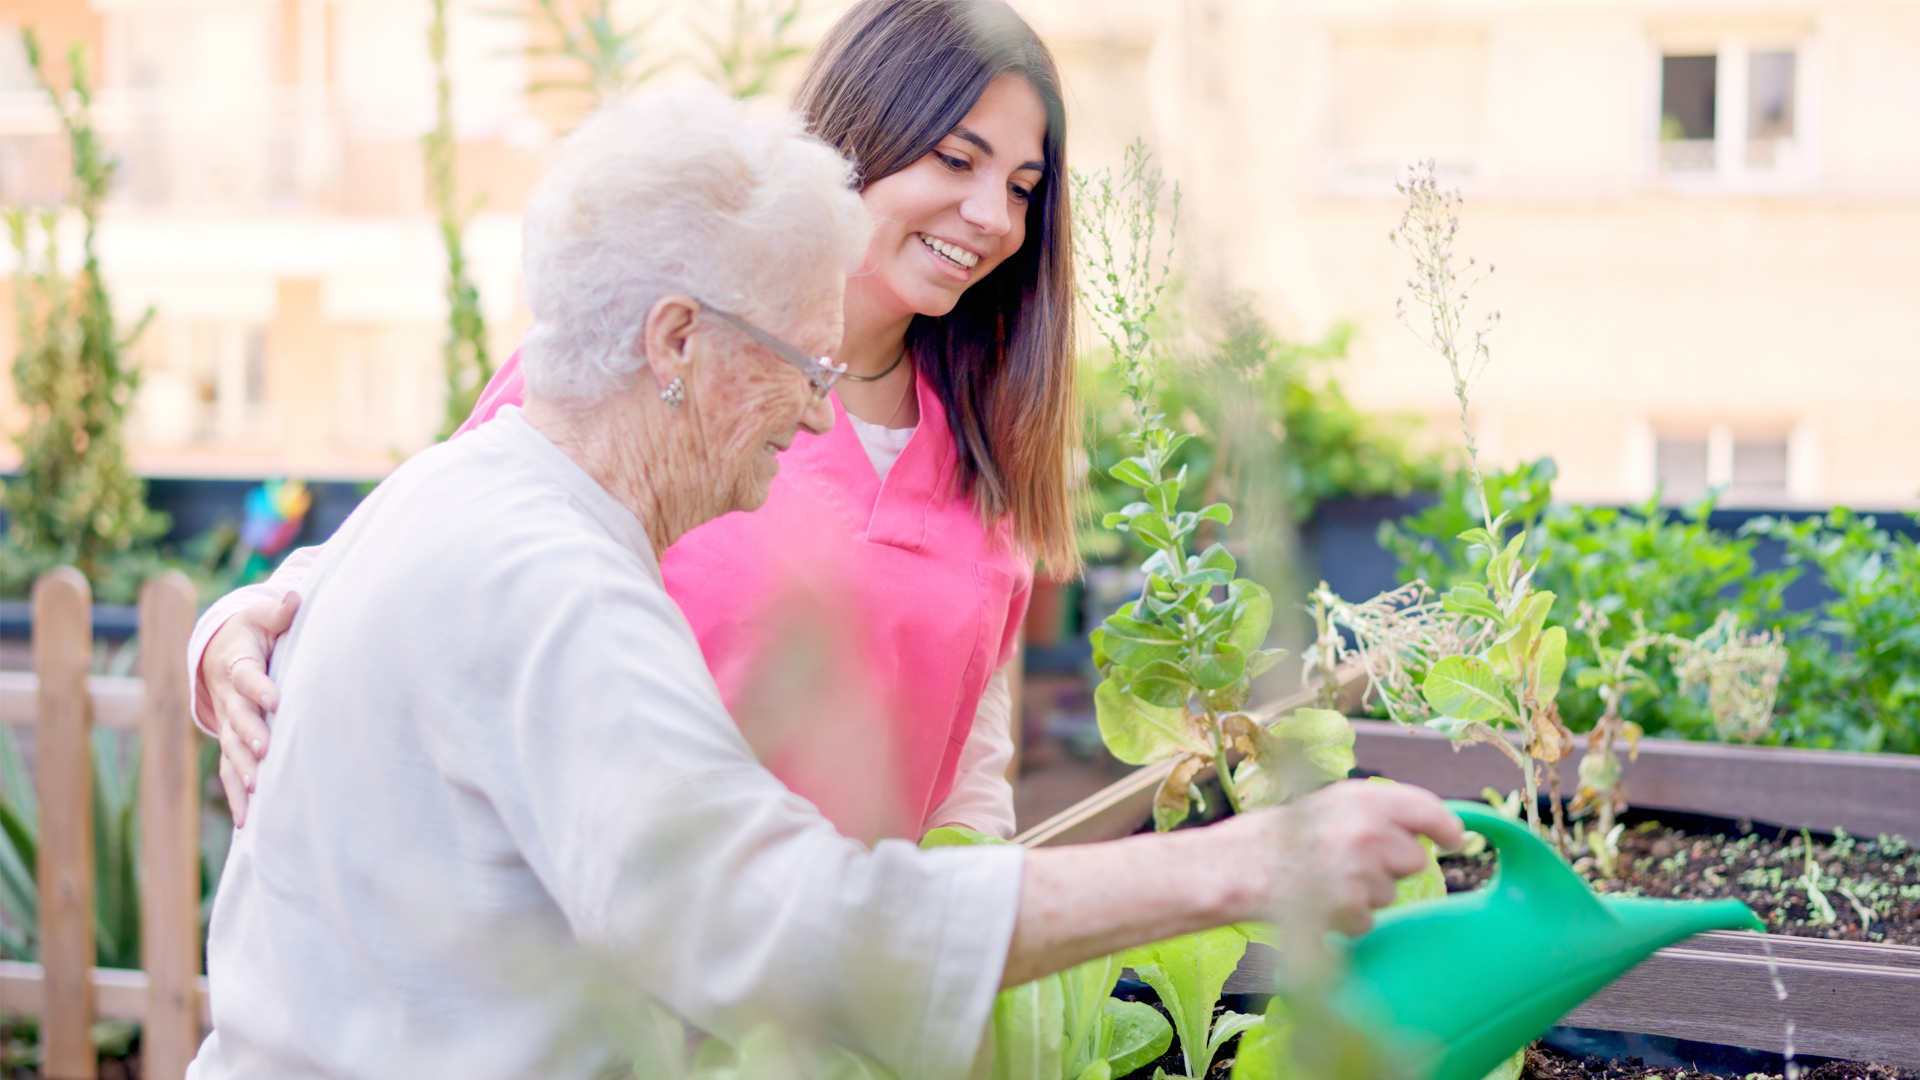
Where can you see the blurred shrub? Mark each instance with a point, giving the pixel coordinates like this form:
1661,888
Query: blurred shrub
1853,675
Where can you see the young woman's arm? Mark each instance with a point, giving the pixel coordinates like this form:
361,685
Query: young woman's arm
227,668
982,795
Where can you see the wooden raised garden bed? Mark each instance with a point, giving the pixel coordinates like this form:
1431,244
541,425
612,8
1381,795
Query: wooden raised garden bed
1847,999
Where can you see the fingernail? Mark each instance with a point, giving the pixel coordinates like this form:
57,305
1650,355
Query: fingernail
249,785
256,747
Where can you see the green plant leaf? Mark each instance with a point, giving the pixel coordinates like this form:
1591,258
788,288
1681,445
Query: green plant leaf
956,836
1226,1026
1219,667
1164,495
1136,1034
1141,734
1471,599
1095,1070
1255,617
1153,529
1132,471
1453,727
1325,738
1467,687
1188,973
1161,683
1135,643
1028,1035
1259,661
1218,557
1218,512
1549,663
1085,989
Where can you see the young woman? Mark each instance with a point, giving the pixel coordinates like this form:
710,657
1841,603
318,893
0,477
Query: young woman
859,625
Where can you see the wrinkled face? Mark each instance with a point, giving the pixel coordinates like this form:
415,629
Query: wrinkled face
746,404
947,220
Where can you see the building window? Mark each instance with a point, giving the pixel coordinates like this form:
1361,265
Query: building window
1680,468
1770,92
1687,87
1759,471
1730,117
1748,469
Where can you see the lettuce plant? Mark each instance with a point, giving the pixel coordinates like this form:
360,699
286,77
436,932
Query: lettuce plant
1068,1026
1178,662
1188,972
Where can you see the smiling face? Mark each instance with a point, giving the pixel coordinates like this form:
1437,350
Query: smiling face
746,404
947,220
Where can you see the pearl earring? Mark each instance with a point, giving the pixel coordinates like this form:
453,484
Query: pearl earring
674,394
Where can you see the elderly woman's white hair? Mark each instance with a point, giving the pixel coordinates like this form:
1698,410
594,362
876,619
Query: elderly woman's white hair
677,190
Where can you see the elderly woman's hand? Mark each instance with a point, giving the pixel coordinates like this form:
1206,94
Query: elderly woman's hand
234,686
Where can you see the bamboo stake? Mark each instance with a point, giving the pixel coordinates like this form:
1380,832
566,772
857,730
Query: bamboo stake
170,832
62,650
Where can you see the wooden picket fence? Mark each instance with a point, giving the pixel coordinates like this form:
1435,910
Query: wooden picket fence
63,702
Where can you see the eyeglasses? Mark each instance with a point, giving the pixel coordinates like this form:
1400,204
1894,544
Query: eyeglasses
820,371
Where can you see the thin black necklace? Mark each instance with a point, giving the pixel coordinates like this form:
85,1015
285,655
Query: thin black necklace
897,361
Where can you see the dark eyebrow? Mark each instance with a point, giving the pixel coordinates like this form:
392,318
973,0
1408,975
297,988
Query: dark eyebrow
987,148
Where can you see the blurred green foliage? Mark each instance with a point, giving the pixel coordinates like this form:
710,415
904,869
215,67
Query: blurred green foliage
76,500
1853,668
1311,438
1853,676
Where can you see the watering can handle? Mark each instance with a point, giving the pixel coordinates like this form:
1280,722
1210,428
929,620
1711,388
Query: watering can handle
1526,862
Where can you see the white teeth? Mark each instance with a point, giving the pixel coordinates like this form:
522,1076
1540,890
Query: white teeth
956,255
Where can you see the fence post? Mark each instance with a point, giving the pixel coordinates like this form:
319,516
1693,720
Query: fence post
170,831
62,651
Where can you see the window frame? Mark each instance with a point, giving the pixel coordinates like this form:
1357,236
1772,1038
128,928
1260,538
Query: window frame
1795,170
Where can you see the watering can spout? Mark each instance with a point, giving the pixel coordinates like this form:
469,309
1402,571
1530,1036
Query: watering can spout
1655,924
1459,984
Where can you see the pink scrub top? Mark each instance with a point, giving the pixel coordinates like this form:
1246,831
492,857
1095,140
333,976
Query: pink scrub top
851,624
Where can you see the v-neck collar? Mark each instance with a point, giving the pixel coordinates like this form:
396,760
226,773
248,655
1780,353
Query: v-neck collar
920,477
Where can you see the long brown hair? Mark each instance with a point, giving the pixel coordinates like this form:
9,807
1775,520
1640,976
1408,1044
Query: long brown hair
891,79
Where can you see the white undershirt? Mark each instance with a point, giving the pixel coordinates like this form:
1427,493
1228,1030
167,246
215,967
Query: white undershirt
882,444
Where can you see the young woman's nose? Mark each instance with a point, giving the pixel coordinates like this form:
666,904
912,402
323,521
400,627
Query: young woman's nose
985,208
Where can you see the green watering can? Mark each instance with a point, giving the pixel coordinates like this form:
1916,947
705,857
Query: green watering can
1455,986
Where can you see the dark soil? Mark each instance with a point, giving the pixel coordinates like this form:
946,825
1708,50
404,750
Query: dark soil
1546,1063
1872,887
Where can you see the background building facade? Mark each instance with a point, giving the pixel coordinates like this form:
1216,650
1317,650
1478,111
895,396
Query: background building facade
1704,215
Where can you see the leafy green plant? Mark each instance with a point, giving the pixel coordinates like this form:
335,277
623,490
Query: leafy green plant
1068,1026
116,885
1179,662
1853,676
1511,681
1667,569
77,500
464,353
1188,972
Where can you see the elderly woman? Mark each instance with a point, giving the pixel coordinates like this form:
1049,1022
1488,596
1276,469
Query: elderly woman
505,791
